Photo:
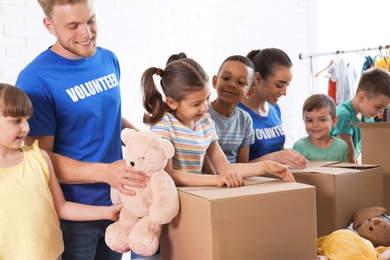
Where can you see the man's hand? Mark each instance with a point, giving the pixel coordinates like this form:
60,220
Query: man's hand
123,177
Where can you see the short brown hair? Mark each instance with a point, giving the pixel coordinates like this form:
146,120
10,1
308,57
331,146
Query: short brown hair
375,81
318,101
14,102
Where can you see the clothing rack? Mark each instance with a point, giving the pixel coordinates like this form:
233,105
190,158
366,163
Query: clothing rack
302,56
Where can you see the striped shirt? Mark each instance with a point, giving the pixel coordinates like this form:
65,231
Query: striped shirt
190,145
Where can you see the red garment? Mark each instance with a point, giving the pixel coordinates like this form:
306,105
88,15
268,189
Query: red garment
332,89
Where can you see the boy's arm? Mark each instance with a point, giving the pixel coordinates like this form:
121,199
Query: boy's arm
75,211
351,150
285,156
246,170
243,154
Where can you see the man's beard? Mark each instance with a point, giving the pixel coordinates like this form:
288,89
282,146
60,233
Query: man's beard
84,54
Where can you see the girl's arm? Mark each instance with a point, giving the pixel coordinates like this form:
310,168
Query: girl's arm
182,178
76,211
208,167
245,170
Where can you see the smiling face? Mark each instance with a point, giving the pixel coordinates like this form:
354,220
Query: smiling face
233,82
190,109
372,106
318,123
274,86
75,29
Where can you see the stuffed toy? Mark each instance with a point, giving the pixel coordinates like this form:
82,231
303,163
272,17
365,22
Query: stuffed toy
142,216
373,224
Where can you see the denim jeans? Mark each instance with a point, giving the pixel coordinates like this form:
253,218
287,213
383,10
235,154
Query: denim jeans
136,256
85,241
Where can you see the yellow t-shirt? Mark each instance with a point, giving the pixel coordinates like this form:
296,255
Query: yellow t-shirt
29,225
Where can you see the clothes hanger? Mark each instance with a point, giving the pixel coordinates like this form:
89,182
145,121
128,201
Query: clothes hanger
326,68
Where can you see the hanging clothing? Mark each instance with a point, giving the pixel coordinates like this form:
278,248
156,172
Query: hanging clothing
368,63
383,63
332,90
345,76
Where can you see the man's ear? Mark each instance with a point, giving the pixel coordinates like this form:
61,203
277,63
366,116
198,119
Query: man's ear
49,25
171,103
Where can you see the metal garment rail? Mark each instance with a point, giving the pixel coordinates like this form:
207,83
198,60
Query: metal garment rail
302,56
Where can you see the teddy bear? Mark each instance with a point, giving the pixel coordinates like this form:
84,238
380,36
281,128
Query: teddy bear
142,216
373,224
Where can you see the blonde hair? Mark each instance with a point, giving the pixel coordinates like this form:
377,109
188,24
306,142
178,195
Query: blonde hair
48,5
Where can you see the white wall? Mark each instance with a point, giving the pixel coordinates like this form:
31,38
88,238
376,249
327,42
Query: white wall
145,33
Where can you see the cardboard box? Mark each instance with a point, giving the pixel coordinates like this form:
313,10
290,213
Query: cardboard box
342,189
265,219
376,150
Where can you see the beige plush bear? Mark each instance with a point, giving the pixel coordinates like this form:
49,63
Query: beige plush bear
139,226
372,224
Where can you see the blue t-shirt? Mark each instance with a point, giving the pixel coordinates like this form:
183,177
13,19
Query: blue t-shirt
269,134
233,132
77,102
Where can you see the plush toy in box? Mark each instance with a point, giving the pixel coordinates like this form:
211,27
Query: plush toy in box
373,224
142,216
368,237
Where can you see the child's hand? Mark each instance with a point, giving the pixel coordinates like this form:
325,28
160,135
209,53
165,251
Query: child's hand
113,212
231,180
280,170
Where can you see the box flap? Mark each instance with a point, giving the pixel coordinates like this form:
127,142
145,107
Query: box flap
355,166
332,167
381,125
325,170
274,185
313,164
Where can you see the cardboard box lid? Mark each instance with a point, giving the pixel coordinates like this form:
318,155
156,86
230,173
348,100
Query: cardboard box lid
332,167
267,185
372,125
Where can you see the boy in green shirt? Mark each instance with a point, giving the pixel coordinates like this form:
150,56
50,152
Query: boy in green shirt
319,115
371,98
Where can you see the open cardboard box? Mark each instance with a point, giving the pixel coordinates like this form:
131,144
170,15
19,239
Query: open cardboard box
265,219
342,189
376,150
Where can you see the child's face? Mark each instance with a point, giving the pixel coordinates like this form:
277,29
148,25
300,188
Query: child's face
13,130
233,82
371,107
192,108
318,123
275,86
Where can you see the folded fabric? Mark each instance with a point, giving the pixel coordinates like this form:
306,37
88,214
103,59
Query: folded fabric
344,244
